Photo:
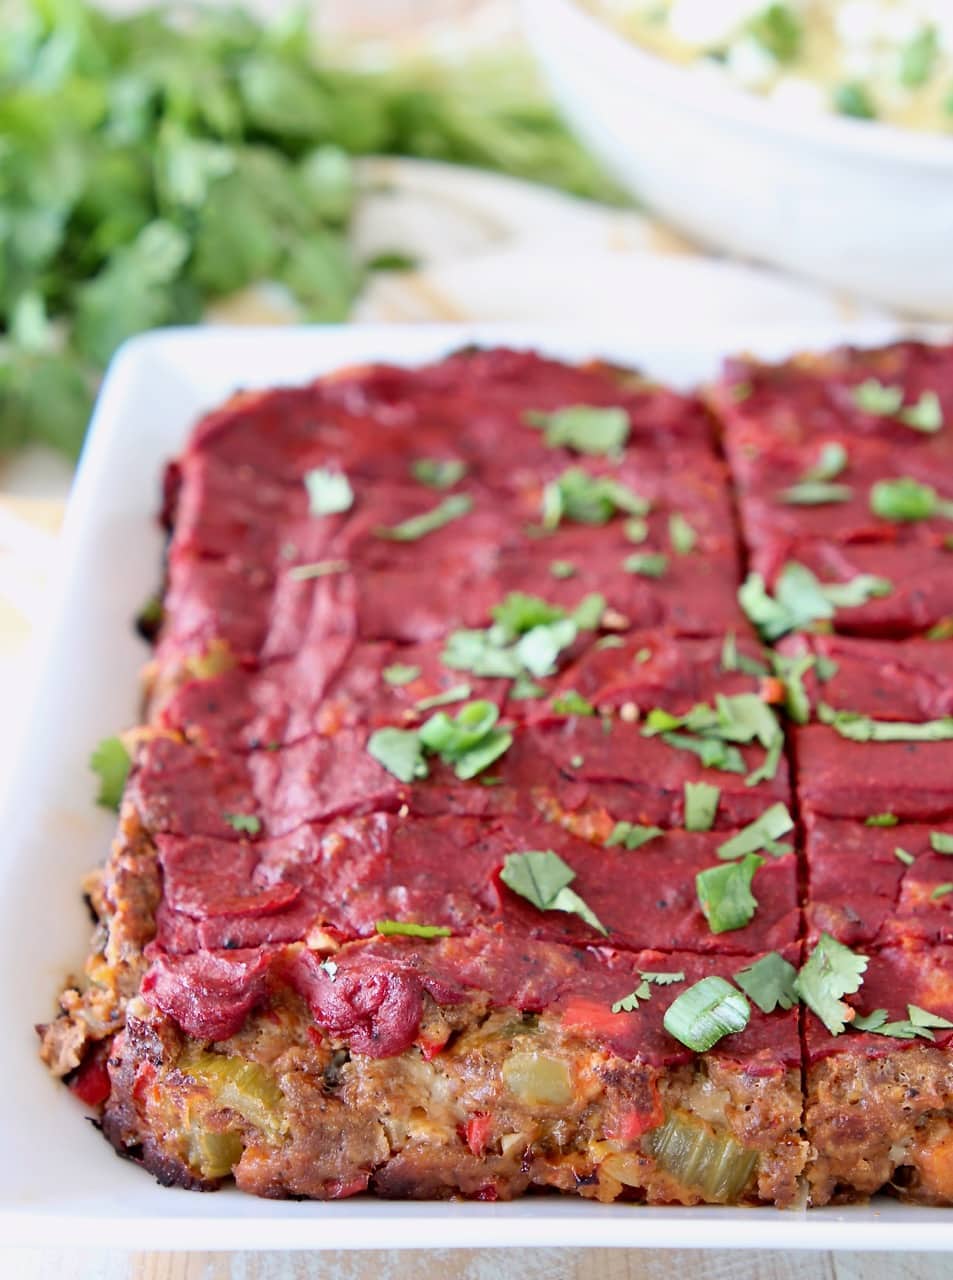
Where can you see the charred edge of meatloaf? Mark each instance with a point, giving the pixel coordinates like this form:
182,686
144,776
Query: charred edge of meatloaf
881,1123
124,895
509,1102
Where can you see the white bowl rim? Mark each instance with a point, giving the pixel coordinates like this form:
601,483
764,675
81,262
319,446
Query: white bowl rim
872,139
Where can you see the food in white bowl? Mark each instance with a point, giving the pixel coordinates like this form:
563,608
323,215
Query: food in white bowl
861,204
889,60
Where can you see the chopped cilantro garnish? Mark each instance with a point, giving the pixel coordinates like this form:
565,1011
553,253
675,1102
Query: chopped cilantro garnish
763,833
791,671
456,693
831,462
527,636
713,753
926,415
743,718
248,823
940,842
876,399
724,893
941,891
577,761
661,978
632,836
470,741
520,612
800,600
903,856
585,428
629,1003
918,1023
701,805
706,1012
416,527
398,928
399,673
586,499
733,660
681,535
438,473
572,703
648,565
399,751
826,668
329,492
542,878
563,569
815,493
643,655
111,762
905,500
831,971
636,529
881,820
769,982
320,569
859,728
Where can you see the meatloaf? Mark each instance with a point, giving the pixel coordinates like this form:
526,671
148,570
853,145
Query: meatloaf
543,783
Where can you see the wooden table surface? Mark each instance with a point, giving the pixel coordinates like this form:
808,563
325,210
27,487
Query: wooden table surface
471,1264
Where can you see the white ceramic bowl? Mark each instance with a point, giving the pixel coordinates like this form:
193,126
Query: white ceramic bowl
865,207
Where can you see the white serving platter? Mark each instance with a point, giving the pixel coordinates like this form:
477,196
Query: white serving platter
59,1180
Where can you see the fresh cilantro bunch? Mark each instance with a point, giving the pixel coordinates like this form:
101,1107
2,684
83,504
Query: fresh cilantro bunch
150,163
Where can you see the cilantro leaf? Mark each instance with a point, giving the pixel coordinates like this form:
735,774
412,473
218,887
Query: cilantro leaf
830,972
905,500
926,415
417,527
876,399
903,856
329,492
583,428
456,693
815,493
681,535
320,569
724,893
629,1003
542,878
860,728
647,565
777,28
400,673
663,978
399,928
941,842
705,1013
438,473
399,751
831,462
247,823
586,499
792,670
760,834
769,982
111,762
632,836
881,820
701,805
800,600
470,741
572,703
